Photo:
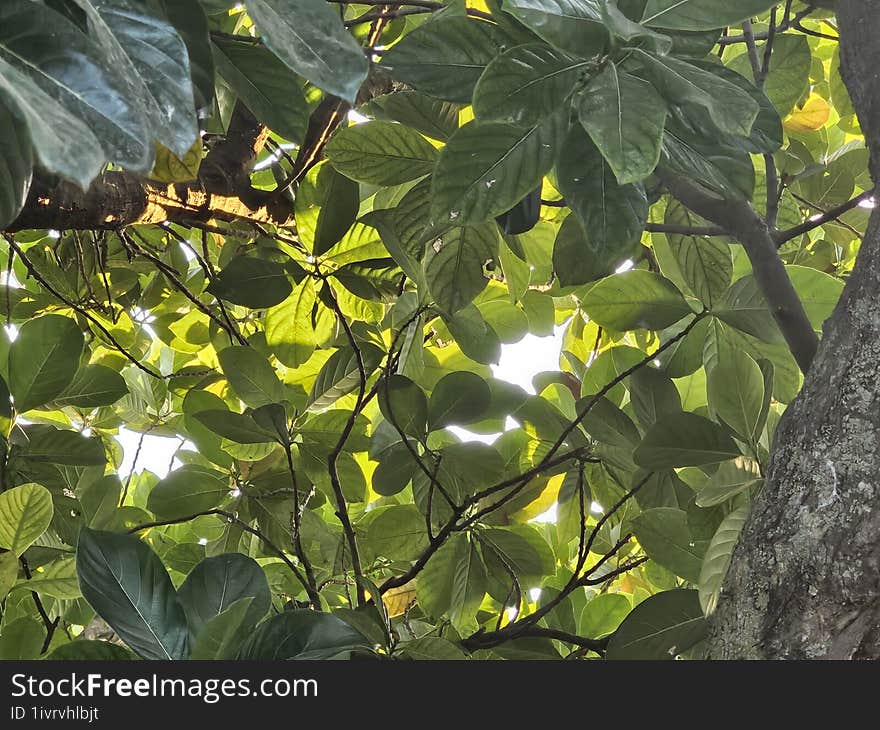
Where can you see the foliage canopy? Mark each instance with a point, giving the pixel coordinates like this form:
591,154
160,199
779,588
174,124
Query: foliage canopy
310,299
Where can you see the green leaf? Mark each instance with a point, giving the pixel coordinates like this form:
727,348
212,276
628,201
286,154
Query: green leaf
43,360
403,403
636,299
326,207
443,57
50,445
430,648
458,398
726,171
433,118
453,582
474,335
486,169
789,77
235,426
61,141
818,291
265,85
128,586
653,395
735,388
191,23
398,533
522,551
145,50
576,259
25,514
302,634
613,215
684,439
290,333
8,572
731,109
745,308
731,478
251,376
21,639
718,557
625,116
56,580
186,491
660,627
705,263
85,649
571,25
308,35
603,614
42,46
93,386
340,375
218,582
16,163
395,470
223,634
700,14
664,535
454,263
251,282
525,84
381,153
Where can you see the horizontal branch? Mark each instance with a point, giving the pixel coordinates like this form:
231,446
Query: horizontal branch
781,237
119,199
486,640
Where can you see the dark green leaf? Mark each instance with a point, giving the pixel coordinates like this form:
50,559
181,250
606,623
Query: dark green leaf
145,50
526,83
454,265
486,169
571,25
308,35
625,117
218,582
684,439
660,627
458,399
613,215
381,153
443,57
251,282
16,163
701,14
302,635
128,586
264,84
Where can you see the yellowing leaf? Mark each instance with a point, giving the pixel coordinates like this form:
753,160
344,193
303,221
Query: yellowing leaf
170,168
812,116
397,600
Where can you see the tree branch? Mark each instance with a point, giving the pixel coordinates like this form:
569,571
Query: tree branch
781,237
747,227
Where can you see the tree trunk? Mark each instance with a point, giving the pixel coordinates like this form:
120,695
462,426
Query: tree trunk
805,577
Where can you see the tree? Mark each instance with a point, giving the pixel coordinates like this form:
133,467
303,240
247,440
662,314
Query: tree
294,234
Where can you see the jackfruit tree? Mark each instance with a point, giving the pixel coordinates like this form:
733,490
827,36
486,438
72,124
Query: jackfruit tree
295,236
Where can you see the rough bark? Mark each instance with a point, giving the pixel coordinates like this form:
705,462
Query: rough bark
805,577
